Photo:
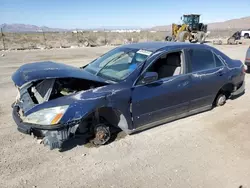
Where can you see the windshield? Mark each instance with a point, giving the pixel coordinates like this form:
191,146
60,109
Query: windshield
118,64
187,20
190,20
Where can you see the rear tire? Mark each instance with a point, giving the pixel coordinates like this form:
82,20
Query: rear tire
246,36
220,100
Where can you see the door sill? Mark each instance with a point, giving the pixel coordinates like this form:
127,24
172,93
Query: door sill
169,119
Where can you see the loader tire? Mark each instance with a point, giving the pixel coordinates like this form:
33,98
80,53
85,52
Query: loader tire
201,37
183,35
168,38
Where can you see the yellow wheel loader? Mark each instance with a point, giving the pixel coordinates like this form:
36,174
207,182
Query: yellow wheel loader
191,29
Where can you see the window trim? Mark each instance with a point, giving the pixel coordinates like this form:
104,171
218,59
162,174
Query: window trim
214,54
183,66
220,58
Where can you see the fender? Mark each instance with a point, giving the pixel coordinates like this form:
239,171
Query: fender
88,103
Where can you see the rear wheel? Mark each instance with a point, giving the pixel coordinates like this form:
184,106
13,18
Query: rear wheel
220,100
246,36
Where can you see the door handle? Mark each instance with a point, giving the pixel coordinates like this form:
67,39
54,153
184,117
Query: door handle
184,83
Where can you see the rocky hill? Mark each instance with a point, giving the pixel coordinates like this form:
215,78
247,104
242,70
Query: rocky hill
15,28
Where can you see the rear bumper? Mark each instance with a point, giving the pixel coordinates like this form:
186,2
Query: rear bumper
239,90
52,136
247,63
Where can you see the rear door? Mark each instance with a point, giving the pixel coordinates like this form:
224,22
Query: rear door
208,75
247,60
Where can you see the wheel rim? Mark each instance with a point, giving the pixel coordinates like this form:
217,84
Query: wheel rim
221,100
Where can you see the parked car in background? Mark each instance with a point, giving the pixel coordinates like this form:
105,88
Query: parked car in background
247,60
132,87
245,34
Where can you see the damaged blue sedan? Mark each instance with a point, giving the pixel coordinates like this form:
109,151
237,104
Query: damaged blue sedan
131,88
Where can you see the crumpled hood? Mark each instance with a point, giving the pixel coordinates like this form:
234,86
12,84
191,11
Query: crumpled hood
44,70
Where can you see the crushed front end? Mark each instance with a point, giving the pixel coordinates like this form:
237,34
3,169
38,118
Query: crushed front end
53,136
49,102
44,123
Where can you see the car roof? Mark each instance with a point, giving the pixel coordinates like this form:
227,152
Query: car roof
154,46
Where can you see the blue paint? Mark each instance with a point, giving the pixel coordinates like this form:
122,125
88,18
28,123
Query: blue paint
152,102
41,70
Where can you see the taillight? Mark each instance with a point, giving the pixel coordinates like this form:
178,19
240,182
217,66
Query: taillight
244,69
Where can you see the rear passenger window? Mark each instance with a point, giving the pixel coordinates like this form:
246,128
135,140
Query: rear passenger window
217,61
201,60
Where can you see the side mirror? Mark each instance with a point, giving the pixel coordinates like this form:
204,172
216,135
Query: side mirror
149,77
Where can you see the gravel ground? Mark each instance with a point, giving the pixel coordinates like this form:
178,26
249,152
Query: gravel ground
211,149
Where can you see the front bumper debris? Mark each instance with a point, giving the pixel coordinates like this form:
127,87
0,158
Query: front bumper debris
51,136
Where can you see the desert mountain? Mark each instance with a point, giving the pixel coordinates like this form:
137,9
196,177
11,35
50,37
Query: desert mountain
27,28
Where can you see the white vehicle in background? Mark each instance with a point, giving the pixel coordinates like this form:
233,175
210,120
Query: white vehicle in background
245,34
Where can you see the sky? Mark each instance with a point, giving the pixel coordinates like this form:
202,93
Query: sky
71,14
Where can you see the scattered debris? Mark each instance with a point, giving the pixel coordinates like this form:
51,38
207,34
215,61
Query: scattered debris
48,47
39,141
3,55
218,42
86,43
64,46
233,40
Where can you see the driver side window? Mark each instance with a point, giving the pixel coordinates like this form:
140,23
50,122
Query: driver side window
167,65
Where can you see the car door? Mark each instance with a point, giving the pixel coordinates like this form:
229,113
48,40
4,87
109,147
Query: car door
247,60
208,75
161,99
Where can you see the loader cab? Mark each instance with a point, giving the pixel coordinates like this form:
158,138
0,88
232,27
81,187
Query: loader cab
192,20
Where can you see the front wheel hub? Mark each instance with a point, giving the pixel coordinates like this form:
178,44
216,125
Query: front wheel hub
102,134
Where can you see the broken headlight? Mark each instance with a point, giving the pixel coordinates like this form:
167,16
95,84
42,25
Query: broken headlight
48,116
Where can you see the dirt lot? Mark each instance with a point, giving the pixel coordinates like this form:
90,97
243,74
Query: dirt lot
66,39
211,149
